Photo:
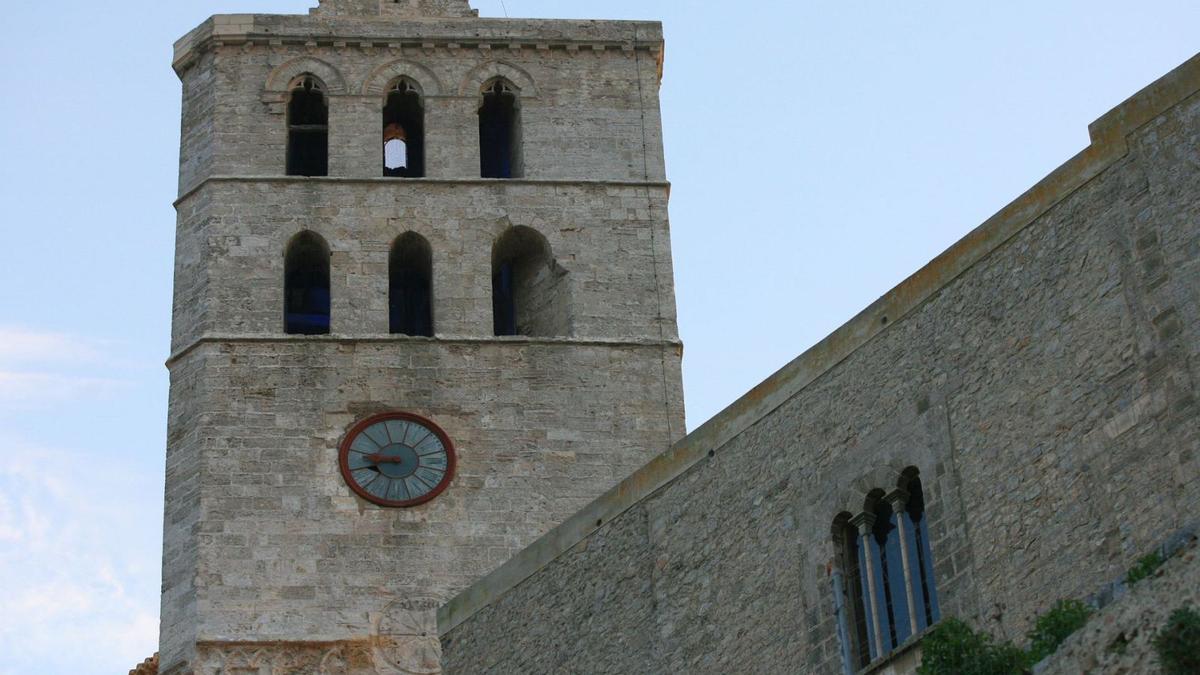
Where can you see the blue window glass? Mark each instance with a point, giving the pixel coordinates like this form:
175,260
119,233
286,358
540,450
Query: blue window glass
883,608
410,274
499,132
306,286
892,563
866,595
504,306
926,593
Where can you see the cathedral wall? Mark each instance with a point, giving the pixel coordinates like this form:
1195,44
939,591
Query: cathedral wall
1041,376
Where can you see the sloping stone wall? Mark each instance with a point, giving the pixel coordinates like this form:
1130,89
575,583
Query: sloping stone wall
1119,639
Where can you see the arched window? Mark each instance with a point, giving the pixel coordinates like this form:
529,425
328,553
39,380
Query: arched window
889,593
306,286
404,131
410,275
888,563
500,131
925,601
308,128
850,594
529,290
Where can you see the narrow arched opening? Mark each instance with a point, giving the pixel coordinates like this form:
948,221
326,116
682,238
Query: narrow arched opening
529,290
500,131
306,286
925,595
308,128
404,131
892,588
410,286
850,593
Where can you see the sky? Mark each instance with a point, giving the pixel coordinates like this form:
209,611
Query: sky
857,140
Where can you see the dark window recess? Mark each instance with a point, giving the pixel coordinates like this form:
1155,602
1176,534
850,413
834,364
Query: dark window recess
404,132
857,594
500,132
504,305
308,130
410,273
893,588
306,286
530,292
929,612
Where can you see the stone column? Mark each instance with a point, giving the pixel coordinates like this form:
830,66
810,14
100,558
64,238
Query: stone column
899,501
865,522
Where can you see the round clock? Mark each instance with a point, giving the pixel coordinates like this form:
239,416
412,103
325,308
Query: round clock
397,459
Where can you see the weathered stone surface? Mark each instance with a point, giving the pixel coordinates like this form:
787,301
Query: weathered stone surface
1119,640
406,9
1041,375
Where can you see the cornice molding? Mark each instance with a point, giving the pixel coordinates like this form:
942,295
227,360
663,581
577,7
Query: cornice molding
444,340
455,35
395,182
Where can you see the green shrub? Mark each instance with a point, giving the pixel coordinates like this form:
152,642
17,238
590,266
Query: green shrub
1178,645
954,648
1144,568
1055,626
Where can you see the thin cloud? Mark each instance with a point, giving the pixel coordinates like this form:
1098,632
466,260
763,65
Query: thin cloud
21,347
30,390
76,567
40,368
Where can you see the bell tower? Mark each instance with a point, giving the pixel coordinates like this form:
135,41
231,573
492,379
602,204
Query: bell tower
423,312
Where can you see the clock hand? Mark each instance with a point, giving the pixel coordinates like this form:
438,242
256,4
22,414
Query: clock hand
384,459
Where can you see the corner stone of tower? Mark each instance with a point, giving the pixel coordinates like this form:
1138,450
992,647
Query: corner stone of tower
401,9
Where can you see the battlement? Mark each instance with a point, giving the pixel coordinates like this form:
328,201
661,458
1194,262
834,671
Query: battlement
404,9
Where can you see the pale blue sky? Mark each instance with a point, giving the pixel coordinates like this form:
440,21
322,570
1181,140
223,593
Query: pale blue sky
861,139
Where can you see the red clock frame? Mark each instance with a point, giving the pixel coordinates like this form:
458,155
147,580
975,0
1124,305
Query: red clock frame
360,427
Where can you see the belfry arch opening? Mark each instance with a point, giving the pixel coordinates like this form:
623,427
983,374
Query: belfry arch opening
404,131
410,286
306,286
308,128
500,131
530,294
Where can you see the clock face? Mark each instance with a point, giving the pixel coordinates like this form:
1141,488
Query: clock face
397,460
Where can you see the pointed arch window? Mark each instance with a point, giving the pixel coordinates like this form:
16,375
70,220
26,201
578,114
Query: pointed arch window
404,131
308,128
410,273
306,286
885,591
500,131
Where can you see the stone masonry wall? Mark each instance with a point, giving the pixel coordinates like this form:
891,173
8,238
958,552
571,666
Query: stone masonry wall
286,551
589,109
1119,640
1046,393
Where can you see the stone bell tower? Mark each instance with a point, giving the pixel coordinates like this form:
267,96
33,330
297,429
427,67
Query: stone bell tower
423,312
